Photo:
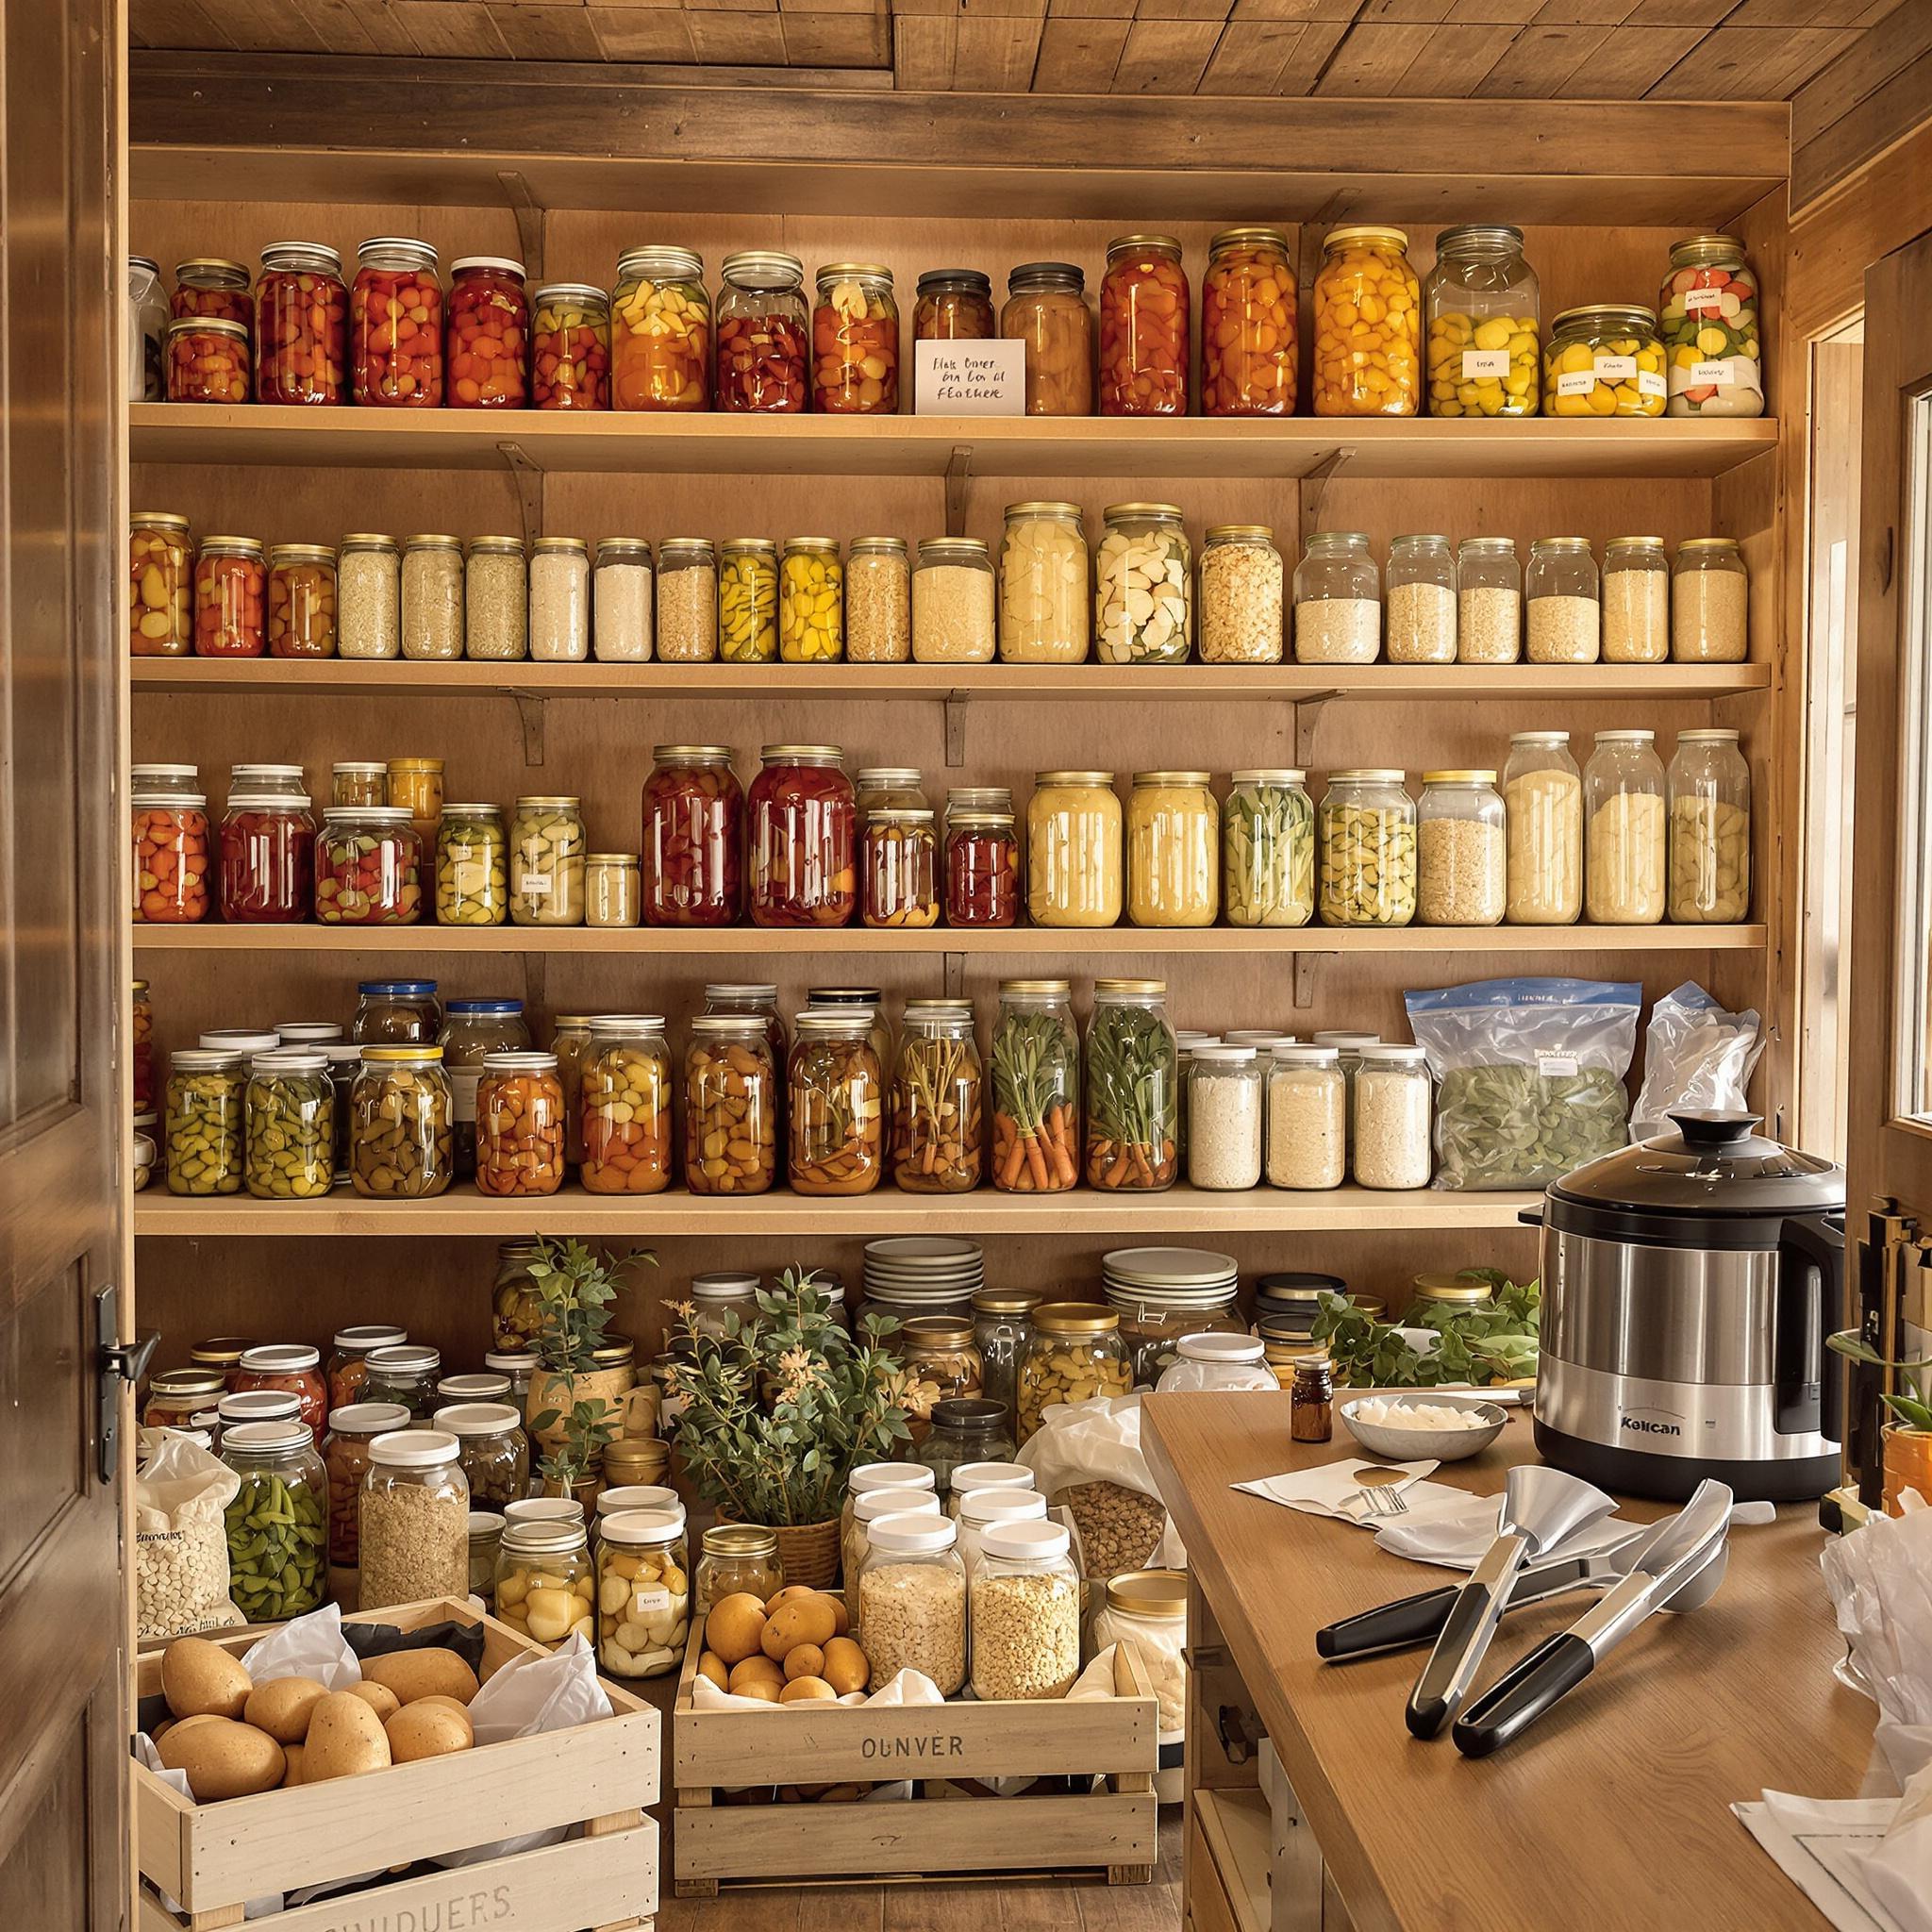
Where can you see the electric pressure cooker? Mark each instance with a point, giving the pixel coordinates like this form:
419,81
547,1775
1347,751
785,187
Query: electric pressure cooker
1688,1283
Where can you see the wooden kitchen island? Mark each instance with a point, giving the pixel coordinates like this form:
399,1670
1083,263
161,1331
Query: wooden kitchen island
1612,1815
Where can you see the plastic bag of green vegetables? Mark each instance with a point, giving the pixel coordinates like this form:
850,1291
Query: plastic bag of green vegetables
1495,1342
1530,1075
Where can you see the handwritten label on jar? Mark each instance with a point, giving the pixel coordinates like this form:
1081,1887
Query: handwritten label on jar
534,885
1717,374
1650,382
1615,367
1479,364
1703,301
1575,382
969,378
649,1602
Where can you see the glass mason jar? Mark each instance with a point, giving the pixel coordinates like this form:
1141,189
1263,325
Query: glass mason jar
569,347
854,341
1131,1087
1563,605
1624,842
1388,1123
1002,1327
1226,1099
559,622
1036,1089
1143,328
644,1593
748,600
486,1545
965,1431
212,287
492,1448
1488,597
1368,325
1025,1598
1144,609
738,1560
142,1046
369,596
626,1105
1542,799
763,329
516,1307
1240,596
487,345
1711,601
1248,331
290,1111
887,788
1366,826
207,361
203,1133
912,1599
991,1504
942,1362
230,596
1462,857
834,1105
660,331
899,869
687,601
1307,1117
1636,601
953,601
302,309
352,1426
160,572
693,815
414,1521
1709,830
1603,361
406,1376
278,1520
811,597
953,305
620,625
399,1135
471,866
547,1588
1709,310
301,601
1046,308
1044,614
982,867
1074,850
395,325
1075,1356
473,1030
416,786
1483,313
546,862
519,1137
1421,601
1174,850
1213,1362
344,1063
496,598
396,1012
612,889
802,843
147,327
432,599
368,867
730,1106
268,859
937,1127
1268,849
1338,601
724,999
879,602
347,1368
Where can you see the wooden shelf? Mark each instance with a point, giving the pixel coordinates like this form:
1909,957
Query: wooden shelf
987,683
985,1211
931,447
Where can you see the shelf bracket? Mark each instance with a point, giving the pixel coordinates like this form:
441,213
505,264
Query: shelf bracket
530,481
958,469
529,212
957,702
1305,978
1320,476
530,715
1307,721
956,974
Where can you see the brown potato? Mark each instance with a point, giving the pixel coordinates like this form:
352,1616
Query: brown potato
807,1691
292,1774
413,1673
346,1739
282,1707
430,1727
735,1626
846,1668
761,1688
805,1660
378,1697
803,1620
756,1670
714,1667
223,1759
201,1679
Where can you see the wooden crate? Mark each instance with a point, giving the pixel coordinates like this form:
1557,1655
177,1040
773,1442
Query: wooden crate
719,1842
213,1859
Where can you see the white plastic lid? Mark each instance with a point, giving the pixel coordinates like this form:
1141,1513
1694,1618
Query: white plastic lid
1255,1035
890,1475
912,1533
279,1359
1001,1506
476,1418
640,1526
1219,1348
1345,1042
491,1389
274,1435
237,1040
1231,1056
1036,1541
259,1406
414,1448
1388,1050
990,1475
873,1504
544,1509
631,1496
1292,1053
369,1418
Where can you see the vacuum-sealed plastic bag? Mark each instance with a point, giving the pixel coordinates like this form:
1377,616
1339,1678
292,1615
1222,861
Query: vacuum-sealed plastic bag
1697,1058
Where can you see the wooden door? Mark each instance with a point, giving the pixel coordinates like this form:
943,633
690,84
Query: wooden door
63,969
1888,1181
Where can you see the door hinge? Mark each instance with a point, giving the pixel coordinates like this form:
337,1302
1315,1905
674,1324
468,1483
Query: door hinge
117,1362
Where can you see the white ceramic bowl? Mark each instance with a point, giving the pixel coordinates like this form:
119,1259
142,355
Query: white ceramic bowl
1485,1422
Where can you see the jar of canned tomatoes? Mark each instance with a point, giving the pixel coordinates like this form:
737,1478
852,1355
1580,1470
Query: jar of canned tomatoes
953,305
764,327
835,1105
301,326
268,854
982,868
1248,326
292,1369
624,1102
301,601
901,868
230,586
213,288
803,838
170,882
395,325
731,1105
160,604
854,340
487,346
368,867
569,347
399,1135
693,831
1368,325
207,361
1046,308
1143,328
661,330
520,1138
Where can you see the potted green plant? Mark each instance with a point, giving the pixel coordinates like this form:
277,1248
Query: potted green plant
1907,1441
575,1402
777,1411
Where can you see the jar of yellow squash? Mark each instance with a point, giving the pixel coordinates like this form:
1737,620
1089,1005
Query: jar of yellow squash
1483,329
1368,325
812,601
1606,360
748,600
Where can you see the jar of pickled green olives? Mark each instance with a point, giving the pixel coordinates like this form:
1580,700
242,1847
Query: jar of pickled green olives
204,1136
289,1112
400,1125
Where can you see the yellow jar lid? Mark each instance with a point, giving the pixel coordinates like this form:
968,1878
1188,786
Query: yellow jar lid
1172,777
1458,778
1074,778
1367,236
1074,1318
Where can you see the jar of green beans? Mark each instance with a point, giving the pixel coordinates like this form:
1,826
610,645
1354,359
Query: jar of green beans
1268,849
1132,1088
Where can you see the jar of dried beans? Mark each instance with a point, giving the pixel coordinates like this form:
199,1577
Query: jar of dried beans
230,587
302,324
763,328
207,361
731,1105
487,356
395,325
301,601
519,1124
1248,326
569,347
802,838
624,1100
938,1145
694,830
661,330
835,1105
1143,328
1240,596
855,335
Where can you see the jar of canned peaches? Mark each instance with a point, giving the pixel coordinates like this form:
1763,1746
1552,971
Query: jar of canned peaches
625,1101
660,331
569,347
520,1138
953,305
487,356
230,587
1074,850
301,324
899,868
1174,850
1603,361
1143,328
1483,325
1046,308
854,340
1368,325
730,1106
301,601
395,325
160,571
1248,326
835,1105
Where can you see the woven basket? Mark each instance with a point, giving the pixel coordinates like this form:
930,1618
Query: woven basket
807,1552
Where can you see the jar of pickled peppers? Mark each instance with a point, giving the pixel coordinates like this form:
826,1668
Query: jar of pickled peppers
1143,328
660,331
1368,325
748,600
214,288
301,326
802,843
855,338
207,360
171,852
569,347
693,831
395,325
764,328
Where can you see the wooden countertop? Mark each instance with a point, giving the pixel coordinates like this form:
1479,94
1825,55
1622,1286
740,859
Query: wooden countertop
1612,1814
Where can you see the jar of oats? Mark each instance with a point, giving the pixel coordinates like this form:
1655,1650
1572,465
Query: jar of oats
1462,850
1421,601
912,1600
1239,601
1026,1612
1338,601
879,602
1390,1127
1543,796
560,601
621,601
1561,600
1623,806
953,601
1636,601
414,1520
1709,602
1307,1117
1488,602
687,601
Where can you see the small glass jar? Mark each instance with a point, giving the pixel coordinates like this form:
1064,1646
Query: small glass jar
471,866
399,1137
1045,613
1462,857
1026,1612
834,1105
687,601
396,1012
1307,1117
943,1363
1226,1099
148,329
291,1133
1603,361
1368,325
405,1375
953,601
621,598
1564,604
352,1429
559,621
493,1449
694,820
518,1367
1035,1060
889,787
276,1522
1248,326
369,616
1002,1327
900,869
660,331
301,601
1421,601
1046,308
519,1137
230,598
879,602
736,1559
416,786
854,341
161,572
461,1391
205,1130
1240,596
1709,312
1144,607
1174,850
1366,829
1143,328
496,618
395,325
486,1545
1711,601
1075,850
347,1368
268,859
207,361
473,1030
1709,830
626,1105
912,1600
1489,599
802,844
358,782
547,862
1130,1078
223,1352
1542,800
731,1106
432,599
764,328
1268,849
547,1588
612,892
1625,842
982,863
569,347
486,351
368,867
811,598
1636,601
1311,1399
953,305
938,1128
1483,310
255,1406
414,1531
966,1432
644,1593
1338,601
1076,1354
344,1064
516,1305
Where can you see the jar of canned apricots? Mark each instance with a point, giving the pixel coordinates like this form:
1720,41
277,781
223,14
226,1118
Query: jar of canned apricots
520,1138
854,340
301,601
836,1106
230,583
1603,361
625,1101
661,330
1483,325
1248,326
1368,325
207,360
395,325
160,559
1143,328
730,1106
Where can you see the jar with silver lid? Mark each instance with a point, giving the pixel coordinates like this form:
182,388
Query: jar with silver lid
1143,604
432,599
560,629
1338,601
1226,1097
1711,601
368,619
621,602
1307,1117
496,601
1391,1117
879,602
1543,801
1240,596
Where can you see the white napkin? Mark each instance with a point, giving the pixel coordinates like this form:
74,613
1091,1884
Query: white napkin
1331,1491
1850,1857
1456,1537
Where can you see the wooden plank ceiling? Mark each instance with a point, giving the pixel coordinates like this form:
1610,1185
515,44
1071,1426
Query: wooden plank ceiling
1756,50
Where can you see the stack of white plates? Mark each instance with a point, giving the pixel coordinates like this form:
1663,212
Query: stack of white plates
922,1274
1180,1277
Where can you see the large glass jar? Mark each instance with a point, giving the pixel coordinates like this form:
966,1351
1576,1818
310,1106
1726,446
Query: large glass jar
473,1030
953,305
938,1128
1240,596
1268,849
496,601
660,331
559,619
1624,840
750,1000
352,1429
1483,325
487,350
879,602
1489,599
854,340
547,841
1002,1327
399,1135
1005,1496
625,1102
899,869
268,859
347,1368
141,1045
1248,332
620,626
471,866
964,1431
1025,1598
546,1587
1307,1117
1044,614
812,600
687,601
276,1522
834,1105
912,1600
694,820
1562,604
1036,1089
1709,309
1368,325
1338,601
644,1593
405,1375
147,329
1366,827
161,572
300,326
1143,328
230,598
396,1012
1636,601
292,1127
1074,850
1130,1078
738,1560
1709,830
414,1522
569,347
431,608
731,1105
1389,1121
519,1137
368,867
1421,601
1075,1356
1711,601
1046,308
301,601
569,1040
214,286
1143,606
493,1447
953,601
369,596
802,843
207,361
1542,800
1603,361
1174,850
763,329
1462,850
1227,1100
982,866
395,325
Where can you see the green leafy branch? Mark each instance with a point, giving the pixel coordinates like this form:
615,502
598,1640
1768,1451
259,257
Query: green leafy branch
1911,1409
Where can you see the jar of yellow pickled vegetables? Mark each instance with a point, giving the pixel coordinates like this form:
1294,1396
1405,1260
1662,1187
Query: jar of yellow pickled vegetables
1368,325
1074,850
660,331
1483,331
1603,361
812,601
748,600
1174,850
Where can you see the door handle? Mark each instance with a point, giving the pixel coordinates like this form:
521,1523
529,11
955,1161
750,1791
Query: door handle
115,1363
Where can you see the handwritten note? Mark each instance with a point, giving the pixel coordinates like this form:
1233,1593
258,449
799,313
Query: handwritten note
969,378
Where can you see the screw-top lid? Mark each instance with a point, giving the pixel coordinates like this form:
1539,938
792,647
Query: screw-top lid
502,265
998,1503
912,1533
990,1475
308,1032
656,1497
1029,1540
237,1040
763,268
1365,235
1074,1318
529,1510
415,1449
640,1528
259,1406
888,1475
967,1414
269,1438
368,1417
725,1283
407,1358
279,1359
869,1504
1162,1593
476,1418
556,1536
1218,1348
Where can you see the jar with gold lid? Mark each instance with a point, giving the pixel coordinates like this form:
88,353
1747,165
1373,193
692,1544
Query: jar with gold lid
736,1559
613,889
1075,1356
945,1366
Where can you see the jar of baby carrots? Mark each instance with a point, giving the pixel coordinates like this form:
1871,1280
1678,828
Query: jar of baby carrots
1368,325
519,1124
1035,1065
625,1104
1143,328
1248,326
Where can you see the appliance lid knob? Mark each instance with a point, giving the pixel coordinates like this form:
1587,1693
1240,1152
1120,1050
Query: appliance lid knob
1713,1130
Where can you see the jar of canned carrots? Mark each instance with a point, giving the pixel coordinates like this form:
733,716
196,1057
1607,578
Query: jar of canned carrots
160,602
1368,325
569,347
487,356
520,1135
301,326
1143,328
230,582
730,1106
301,601
854,340
1248,326
661,330
624,1102
395,325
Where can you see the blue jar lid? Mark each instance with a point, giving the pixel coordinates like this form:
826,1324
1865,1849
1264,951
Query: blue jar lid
397,989
483,1006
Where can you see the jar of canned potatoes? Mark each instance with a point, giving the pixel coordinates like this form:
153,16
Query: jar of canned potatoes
1603,361
643,1592
1045,617
547,842
1143,609
546,1587
161,604
1366,830
1709,785
1483,325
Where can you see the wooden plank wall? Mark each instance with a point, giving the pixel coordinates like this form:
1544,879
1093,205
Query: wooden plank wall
1872,96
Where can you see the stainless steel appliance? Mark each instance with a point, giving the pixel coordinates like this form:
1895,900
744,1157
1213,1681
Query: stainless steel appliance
1689,1284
